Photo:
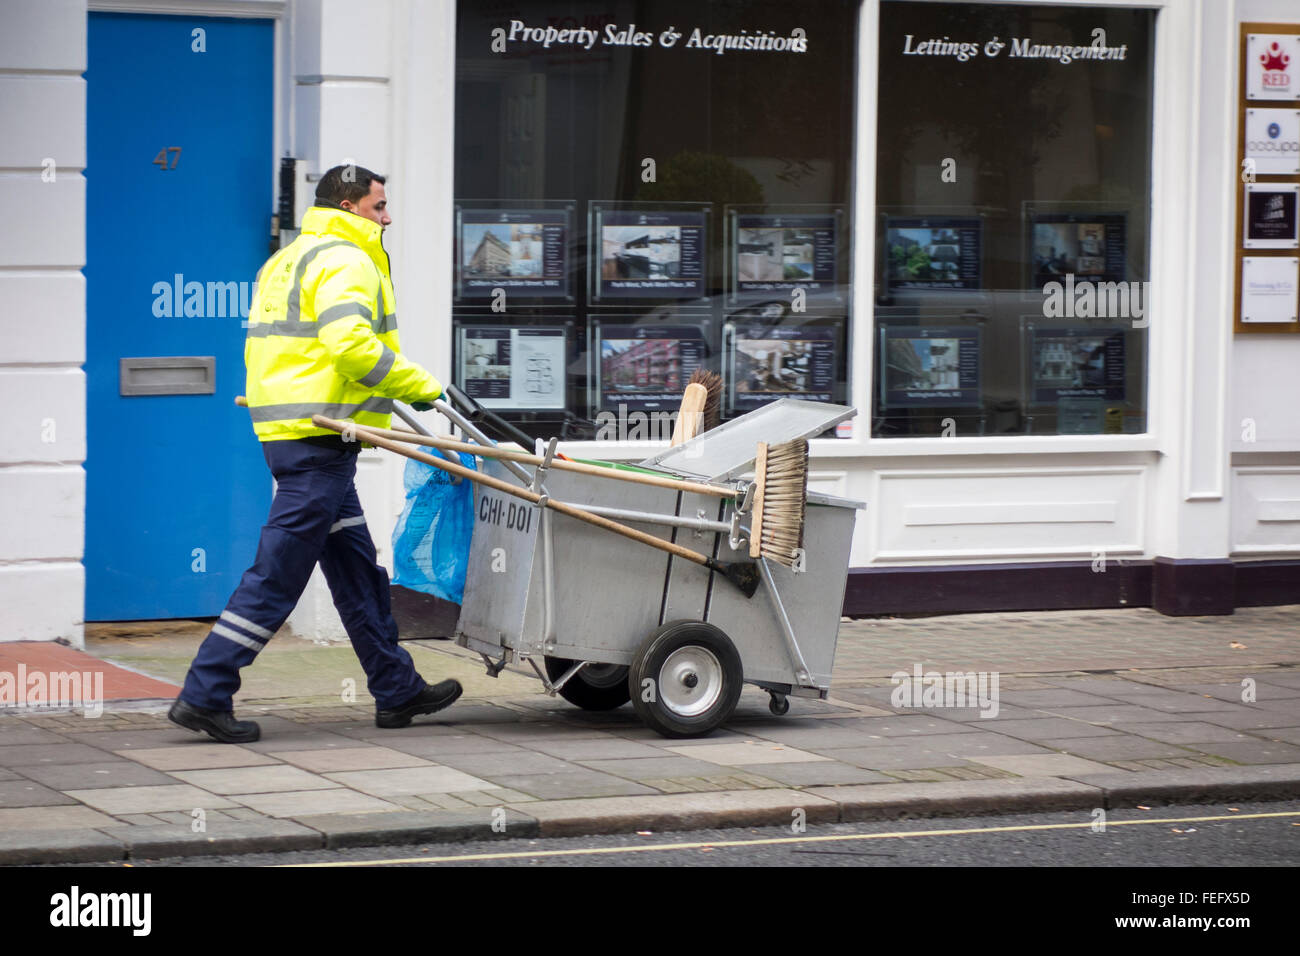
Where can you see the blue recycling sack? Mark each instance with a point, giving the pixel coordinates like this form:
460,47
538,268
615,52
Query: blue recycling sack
431,540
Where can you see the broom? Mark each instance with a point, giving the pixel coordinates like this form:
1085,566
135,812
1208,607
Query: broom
780,499
701,407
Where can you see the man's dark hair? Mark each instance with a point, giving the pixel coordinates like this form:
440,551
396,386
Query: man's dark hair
345,182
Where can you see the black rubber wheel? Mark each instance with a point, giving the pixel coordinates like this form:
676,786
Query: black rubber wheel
779,705
595,687
685,679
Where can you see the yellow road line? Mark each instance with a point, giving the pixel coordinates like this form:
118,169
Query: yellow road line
775,841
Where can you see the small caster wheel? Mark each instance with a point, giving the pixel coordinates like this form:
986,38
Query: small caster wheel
779,704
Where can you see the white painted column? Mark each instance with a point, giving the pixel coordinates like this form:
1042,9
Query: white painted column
43,323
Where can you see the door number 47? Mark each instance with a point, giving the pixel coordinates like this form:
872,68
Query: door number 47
161,159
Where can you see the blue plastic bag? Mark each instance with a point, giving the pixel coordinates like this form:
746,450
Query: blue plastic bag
431,540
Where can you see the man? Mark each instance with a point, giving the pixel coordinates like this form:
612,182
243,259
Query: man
322,339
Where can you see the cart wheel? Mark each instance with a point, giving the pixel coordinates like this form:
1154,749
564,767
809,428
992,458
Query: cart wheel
685,679
779,704
595,687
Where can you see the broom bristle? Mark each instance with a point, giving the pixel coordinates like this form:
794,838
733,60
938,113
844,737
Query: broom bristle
712,383
784,498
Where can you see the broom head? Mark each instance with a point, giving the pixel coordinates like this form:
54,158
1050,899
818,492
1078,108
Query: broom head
780,497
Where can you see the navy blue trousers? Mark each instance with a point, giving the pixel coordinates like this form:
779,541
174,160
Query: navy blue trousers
315,516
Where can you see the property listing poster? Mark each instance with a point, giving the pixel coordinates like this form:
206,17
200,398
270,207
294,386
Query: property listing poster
766,363
1089,246
929,366
649,254
938,253
777,254
513,368
523,251
646,368
1078,363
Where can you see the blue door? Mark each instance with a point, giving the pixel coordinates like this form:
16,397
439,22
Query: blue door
178,206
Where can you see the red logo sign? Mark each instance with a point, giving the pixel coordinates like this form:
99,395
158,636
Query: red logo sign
1275,64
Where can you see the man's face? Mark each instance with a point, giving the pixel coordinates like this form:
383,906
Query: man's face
373,207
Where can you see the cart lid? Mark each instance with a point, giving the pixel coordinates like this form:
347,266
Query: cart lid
729,449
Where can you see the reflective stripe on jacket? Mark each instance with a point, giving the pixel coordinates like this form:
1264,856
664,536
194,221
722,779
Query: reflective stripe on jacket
322,332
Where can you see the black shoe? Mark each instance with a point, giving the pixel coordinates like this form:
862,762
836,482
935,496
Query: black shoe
433,698
218,724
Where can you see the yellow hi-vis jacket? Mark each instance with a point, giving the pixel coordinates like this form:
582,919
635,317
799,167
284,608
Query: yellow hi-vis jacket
322,332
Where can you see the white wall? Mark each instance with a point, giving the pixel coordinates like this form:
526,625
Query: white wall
1264,421
372,83
43,323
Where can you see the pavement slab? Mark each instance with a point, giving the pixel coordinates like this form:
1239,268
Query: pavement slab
29,793
749,753
340,830
71,845
310,802
197,757
1043,765
218,837
570,785
408,780
890,801
55,755
126,800
324,760
254,779
1113,748
1251,751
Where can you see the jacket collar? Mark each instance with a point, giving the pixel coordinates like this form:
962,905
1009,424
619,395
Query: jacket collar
342,224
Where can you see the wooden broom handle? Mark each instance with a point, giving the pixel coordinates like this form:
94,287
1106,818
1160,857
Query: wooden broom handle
365,434
660,481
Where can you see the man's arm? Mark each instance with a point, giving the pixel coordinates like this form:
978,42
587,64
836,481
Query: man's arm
345,293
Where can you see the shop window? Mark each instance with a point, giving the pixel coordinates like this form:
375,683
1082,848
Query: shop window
644,189
1013,187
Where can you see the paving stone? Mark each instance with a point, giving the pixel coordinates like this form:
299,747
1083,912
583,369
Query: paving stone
1251,751
341,830
487,764
135,739
28,793
51,818
14,733
26,755
562,786
979,715
94,776
746,754
922,776
446,801
1253,718
503,795
596,749
434,748
302,739
1183,732
1051,698
824,773
890,758
820,738
1269,690
1231,693
123,800
1111,749
531,733
10,775
1113,713
643,768
963,745
27,847
883,801
299,803
1043,765
198,757
408,780
678,811
908,725
1049,727
1206,785
254,779
1284,678
349,758
1290,735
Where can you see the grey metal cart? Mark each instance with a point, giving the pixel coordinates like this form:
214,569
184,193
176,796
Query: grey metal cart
603,620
